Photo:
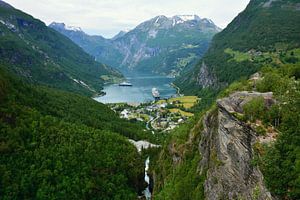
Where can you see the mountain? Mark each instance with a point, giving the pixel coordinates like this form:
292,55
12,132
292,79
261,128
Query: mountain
160,45
245,146
120,34
258,36
57,144
245,142
39,54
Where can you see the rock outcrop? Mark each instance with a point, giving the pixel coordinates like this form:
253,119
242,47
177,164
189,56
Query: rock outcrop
227,152
205,78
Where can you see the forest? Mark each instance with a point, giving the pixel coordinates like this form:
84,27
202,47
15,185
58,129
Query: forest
58,145
278,161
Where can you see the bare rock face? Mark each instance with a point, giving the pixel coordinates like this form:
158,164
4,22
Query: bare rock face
227,153
268,3
236,101
205,77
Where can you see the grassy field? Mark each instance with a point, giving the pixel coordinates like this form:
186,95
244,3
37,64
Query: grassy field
263,56
185,101
238,56
183,113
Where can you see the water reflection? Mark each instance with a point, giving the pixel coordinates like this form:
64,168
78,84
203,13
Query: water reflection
140,91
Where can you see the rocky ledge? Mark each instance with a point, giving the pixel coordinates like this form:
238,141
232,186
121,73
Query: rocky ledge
226,148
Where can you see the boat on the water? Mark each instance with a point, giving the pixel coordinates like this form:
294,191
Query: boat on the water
125,84
155,93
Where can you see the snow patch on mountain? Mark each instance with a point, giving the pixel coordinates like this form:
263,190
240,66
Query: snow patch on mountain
188,17
8,25
73,28
126,30
208,21
152,33
174,22
66,27
179,22
180,19
156,21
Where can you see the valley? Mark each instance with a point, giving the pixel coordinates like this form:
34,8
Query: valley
175,108
158,116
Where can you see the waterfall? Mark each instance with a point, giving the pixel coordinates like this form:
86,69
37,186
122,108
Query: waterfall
147,192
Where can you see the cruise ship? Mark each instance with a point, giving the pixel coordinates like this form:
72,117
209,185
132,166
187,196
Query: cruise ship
155,93
125,84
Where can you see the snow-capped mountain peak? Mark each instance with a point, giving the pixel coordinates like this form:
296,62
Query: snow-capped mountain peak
188,17
126,30
73,28
208,21
64,26
179,19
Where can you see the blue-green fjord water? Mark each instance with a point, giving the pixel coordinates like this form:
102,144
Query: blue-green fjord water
140,92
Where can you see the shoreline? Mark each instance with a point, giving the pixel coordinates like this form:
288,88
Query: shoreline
98,95
177,89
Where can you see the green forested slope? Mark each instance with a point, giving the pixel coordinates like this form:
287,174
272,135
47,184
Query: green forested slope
264,27
280,162
176,167
265,38
57,145
39,54
179,179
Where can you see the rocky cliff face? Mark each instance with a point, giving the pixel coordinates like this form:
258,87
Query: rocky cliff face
226,148
205,77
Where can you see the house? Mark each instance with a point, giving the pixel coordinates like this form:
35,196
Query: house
124,114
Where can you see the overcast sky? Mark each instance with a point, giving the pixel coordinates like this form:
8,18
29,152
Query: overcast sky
108,17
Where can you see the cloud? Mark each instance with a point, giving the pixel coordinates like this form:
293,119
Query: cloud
107,17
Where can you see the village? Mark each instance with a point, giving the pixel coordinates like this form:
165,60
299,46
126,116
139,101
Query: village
160,115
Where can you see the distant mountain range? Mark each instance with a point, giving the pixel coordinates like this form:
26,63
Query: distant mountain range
39,54
160,45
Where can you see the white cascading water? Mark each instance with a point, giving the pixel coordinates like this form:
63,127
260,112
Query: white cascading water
147,192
